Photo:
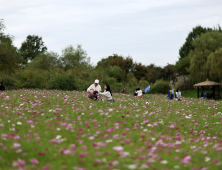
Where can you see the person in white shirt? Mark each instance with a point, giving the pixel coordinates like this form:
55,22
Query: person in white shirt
107,93
178,94
139,92
93,88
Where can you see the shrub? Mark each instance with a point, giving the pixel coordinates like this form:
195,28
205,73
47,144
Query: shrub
8,81
160,86
62,82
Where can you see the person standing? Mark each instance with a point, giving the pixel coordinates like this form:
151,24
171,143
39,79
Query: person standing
93,88
2,87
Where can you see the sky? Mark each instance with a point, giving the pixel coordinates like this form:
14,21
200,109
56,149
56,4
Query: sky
149,31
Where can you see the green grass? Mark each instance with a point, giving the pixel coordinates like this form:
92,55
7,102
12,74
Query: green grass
153,132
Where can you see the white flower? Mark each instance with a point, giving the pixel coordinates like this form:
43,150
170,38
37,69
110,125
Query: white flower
207,159
58,137
164,162
50,110
91,138
176,167
19,123
108,141
82,113
58,129
133,166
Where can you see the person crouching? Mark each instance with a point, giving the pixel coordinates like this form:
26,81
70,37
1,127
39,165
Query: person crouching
93,89
107,93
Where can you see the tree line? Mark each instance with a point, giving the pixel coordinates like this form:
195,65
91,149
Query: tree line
33,66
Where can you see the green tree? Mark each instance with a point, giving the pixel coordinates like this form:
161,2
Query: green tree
187,46
32,47
116,72
182,66
215,65
139,70
74,58
9,55
205,45
44,61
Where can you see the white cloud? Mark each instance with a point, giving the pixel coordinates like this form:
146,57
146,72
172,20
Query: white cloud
151,31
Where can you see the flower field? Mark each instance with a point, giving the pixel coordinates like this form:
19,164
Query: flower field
50,130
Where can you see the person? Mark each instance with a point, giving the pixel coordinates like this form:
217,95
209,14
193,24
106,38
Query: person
93,89
124,91
205,95
143,91
178,95
107,93
2,87
170,95
138,92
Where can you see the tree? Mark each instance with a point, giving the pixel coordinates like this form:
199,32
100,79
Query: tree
32,47
9,55
205,45
187,46
45,60
182,66
116,72
74,58
215,65
139,70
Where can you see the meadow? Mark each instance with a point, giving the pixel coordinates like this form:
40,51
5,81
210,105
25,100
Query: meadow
62,130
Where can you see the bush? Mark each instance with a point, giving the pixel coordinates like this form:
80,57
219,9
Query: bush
160,86
62,82
8,81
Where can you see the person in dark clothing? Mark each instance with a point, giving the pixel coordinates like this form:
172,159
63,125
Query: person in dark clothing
2,88
124,91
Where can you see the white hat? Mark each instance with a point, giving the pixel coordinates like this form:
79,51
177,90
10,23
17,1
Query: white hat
97,81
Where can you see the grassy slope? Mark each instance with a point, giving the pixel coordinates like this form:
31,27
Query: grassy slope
173,131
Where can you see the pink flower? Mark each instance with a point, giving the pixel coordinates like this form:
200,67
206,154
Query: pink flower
118,148
34,161
172,126
109,130
19,151
81,155
114,163
19,163
186,159
16,145
47,167
94,120
66,152
86,123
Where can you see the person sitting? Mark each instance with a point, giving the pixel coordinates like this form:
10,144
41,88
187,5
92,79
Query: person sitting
124,91
139,92
202,95
178,95
205,95
170,95
107,93
143,91
2,87
93,88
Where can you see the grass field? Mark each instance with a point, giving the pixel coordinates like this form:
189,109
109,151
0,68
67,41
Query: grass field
42,129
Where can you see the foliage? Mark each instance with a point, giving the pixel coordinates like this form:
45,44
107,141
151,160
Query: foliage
74,57
187,46
205,45
160,86
183,65
116,72
9,55
32,47
61,80
215,65
44,61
